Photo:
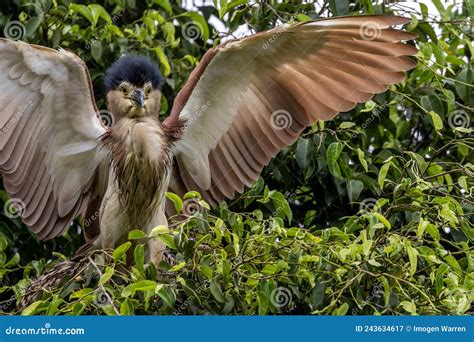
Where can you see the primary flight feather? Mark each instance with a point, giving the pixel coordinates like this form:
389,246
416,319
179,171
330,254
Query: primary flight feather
245,101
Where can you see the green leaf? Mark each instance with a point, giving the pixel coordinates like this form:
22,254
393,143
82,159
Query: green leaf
437,121
339,7
236,240
383,173
226,271
354,188
139,256
82,293
78,309
386,287
422,225
304,149
412,256
433,231
374,263
346,124
168,240
165,64
464,85
263,302
207,271
223,7
96,50
382,219
3,259
15,259
3,242
302,17
120,251
453,263
448,215
192,194
462,181
166,297
31,309
439,282
361,156
177,201
269,269
136,234
409,306
98,11
282,208
126,308
332,155
84,11
464,130
369,106
53,306
159,230
216,291
366,247
319,294
165,4
142,285
109,272
432,103
178,267
342,310
33,25
420,161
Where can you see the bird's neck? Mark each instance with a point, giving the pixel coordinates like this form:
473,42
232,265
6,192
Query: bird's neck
140,153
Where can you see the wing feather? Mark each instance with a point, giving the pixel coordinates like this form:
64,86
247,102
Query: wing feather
250,98
49,129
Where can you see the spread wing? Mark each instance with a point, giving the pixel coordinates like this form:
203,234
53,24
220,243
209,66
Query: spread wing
249,98
49,128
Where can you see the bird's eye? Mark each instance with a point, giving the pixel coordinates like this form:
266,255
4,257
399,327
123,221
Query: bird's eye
147,90
124,90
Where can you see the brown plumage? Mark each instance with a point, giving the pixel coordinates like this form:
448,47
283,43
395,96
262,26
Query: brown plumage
141,173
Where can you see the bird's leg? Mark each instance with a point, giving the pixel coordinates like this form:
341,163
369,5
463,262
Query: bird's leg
113,220
155,246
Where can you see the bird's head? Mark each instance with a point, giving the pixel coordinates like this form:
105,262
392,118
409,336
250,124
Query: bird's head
133,85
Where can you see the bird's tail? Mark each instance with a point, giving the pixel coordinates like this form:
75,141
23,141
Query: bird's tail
77,269
55,277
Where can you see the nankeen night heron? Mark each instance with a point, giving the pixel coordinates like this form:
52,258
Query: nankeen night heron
245,101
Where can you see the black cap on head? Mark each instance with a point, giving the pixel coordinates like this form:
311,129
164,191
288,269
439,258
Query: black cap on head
136,70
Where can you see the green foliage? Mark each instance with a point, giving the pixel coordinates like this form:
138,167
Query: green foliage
368,214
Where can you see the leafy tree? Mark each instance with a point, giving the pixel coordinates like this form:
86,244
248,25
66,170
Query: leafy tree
368,214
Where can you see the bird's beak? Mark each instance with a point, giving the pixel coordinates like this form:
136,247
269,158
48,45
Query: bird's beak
138,98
